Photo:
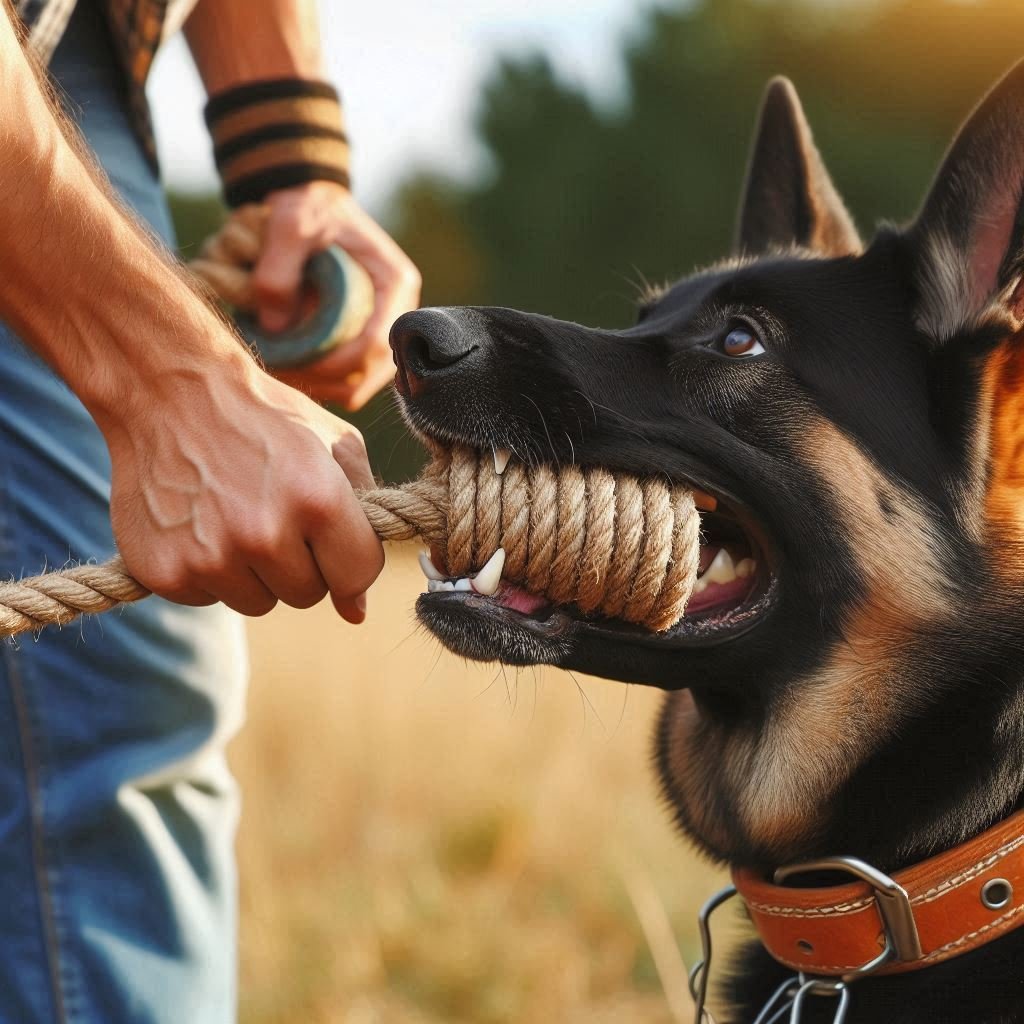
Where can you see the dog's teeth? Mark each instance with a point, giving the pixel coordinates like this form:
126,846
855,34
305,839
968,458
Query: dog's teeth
488,578
700,586
433,586
463,584
429,569
745,567
501,457
721,570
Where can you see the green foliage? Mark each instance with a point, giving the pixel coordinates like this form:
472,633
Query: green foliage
195,217
582,203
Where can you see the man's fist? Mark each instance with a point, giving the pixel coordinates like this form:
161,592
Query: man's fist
302,221
230,486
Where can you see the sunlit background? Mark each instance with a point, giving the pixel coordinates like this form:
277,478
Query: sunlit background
426,841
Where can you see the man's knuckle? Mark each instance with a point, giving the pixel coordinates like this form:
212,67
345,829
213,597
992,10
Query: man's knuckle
351,443
261,537
208,565
321,508
313,593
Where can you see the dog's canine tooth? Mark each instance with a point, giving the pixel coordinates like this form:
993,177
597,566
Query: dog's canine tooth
721,570
501,459
745,567
463,584
488,578
429,569
700,586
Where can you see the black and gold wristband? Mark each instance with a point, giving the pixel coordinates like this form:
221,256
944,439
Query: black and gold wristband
275,134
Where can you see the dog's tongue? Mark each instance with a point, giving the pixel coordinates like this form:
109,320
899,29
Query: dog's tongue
519,600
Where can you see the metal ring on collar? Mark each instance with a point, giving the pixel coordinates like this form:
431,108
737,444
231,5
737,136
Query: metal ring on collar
901,939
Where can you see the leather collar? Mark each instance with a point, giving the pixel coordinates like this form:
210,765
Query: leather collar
940,908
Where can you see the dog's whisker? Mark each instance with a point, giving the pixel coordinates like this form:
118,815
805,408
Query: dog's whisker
544,424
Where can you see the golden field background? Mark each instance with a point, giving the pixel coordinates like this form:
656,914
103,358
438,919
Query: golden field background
425,840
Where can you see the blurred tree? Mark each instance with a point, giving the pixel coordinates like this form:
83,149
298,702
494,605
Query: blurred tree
581,202
196,217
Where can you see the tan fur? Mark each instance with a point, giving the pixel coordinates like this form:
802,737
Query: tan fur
779,775
1003,389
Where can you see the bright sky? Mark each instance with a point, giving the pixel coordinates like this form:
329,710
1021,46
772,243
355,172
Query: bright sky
409,72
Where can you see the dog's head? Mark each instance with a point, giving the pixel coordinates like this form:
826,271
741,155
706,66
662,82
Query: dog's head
858,413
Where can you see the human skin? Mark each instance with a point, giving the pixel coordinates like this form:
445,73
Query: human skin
238,41
228,485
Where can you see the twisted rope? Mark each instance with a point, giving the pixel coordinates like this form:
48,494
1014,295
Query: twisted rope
610,543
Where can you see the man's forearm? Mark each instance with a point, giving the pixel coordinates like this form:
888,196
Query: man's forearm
80,282
239,41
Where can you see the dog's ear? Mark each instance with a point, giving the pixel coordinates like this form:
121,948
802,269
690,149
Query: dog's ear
789,199
968,239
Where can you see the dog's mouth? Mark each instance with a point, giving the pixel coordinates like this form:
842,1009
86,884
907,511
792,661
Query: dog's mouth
489,617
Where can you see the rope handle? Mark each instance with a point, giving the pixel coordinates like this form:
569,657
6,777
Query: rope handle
57,598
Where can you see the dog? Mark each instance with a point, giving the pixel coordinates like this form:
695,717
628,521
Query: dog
857,411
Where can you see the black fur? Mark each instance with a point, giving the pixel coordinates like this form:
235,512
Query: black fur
863,436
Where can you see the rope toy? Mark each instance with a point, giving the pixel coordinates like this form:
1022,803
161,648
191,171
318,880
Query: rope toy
342,289
611,543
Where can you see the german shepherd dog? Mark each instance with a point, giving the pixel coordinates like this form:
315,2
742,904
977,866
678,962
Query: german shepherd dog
857,410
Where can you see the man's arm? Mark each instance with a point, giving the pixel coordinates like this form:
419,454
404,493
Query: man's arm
227,485
236,42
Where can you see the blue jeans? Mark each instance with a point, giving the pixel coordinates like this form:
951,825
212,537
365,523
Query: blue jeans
117,810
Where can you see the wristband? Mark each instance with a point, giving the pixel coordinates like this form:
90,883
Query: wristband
275,134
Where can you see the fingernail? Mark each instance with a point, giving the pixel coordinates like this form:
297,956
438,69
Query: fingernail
360,603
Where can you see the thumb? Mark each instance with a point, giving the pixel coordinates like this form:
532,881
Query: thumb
277,276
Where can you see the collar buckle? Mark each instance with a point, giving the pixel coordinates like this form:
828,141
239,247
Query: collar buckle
901,939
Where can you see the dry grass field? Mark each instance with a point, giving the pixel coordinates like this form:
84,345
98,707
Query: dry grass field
426,841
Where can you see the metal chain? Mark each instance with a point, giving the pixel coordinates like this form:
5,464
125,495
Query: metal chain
789,998
820,987
702,968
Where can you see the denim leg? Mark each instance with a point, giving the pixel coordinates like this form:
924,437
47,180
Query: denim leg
117,810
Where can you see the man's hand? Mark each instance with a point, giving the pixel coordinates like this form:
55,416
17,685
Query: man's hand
233,487
227,485
303,221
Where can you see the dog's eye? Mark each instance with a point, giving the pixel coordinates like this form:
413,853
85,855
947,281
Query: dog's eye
740,342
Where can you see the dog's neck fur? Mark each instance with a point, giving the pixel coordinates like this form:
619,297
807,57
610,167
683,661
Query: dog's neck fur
950,770
810,774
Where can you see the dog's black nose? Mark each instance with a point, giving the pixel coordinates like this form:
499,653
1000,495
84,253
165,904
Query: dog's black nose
428,341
